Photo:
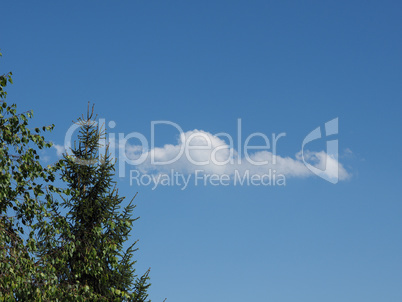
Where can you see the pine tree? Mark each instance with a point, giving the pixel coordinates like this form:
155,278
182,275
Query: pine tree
44,254
85,244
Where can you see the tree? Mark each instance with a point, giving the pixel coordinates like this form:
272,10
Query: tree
94,229
61,244
22,184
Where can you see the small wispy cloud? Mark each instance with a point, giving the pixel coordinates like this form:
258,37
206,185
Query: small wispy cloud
59,149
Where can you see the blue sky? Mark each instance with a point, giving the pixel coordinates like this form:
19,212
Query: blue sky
281,67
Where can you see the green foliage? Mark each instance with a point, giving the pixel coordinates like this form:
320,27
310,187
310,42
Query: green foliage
23,181
89,238
61,244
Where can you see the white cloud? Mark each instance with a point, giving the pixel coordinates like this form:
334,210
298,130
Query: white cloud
59,149
328,164
200,150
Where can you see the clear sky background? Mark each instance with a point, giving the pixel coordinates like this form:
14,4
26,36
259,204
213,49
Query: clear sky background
280,66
